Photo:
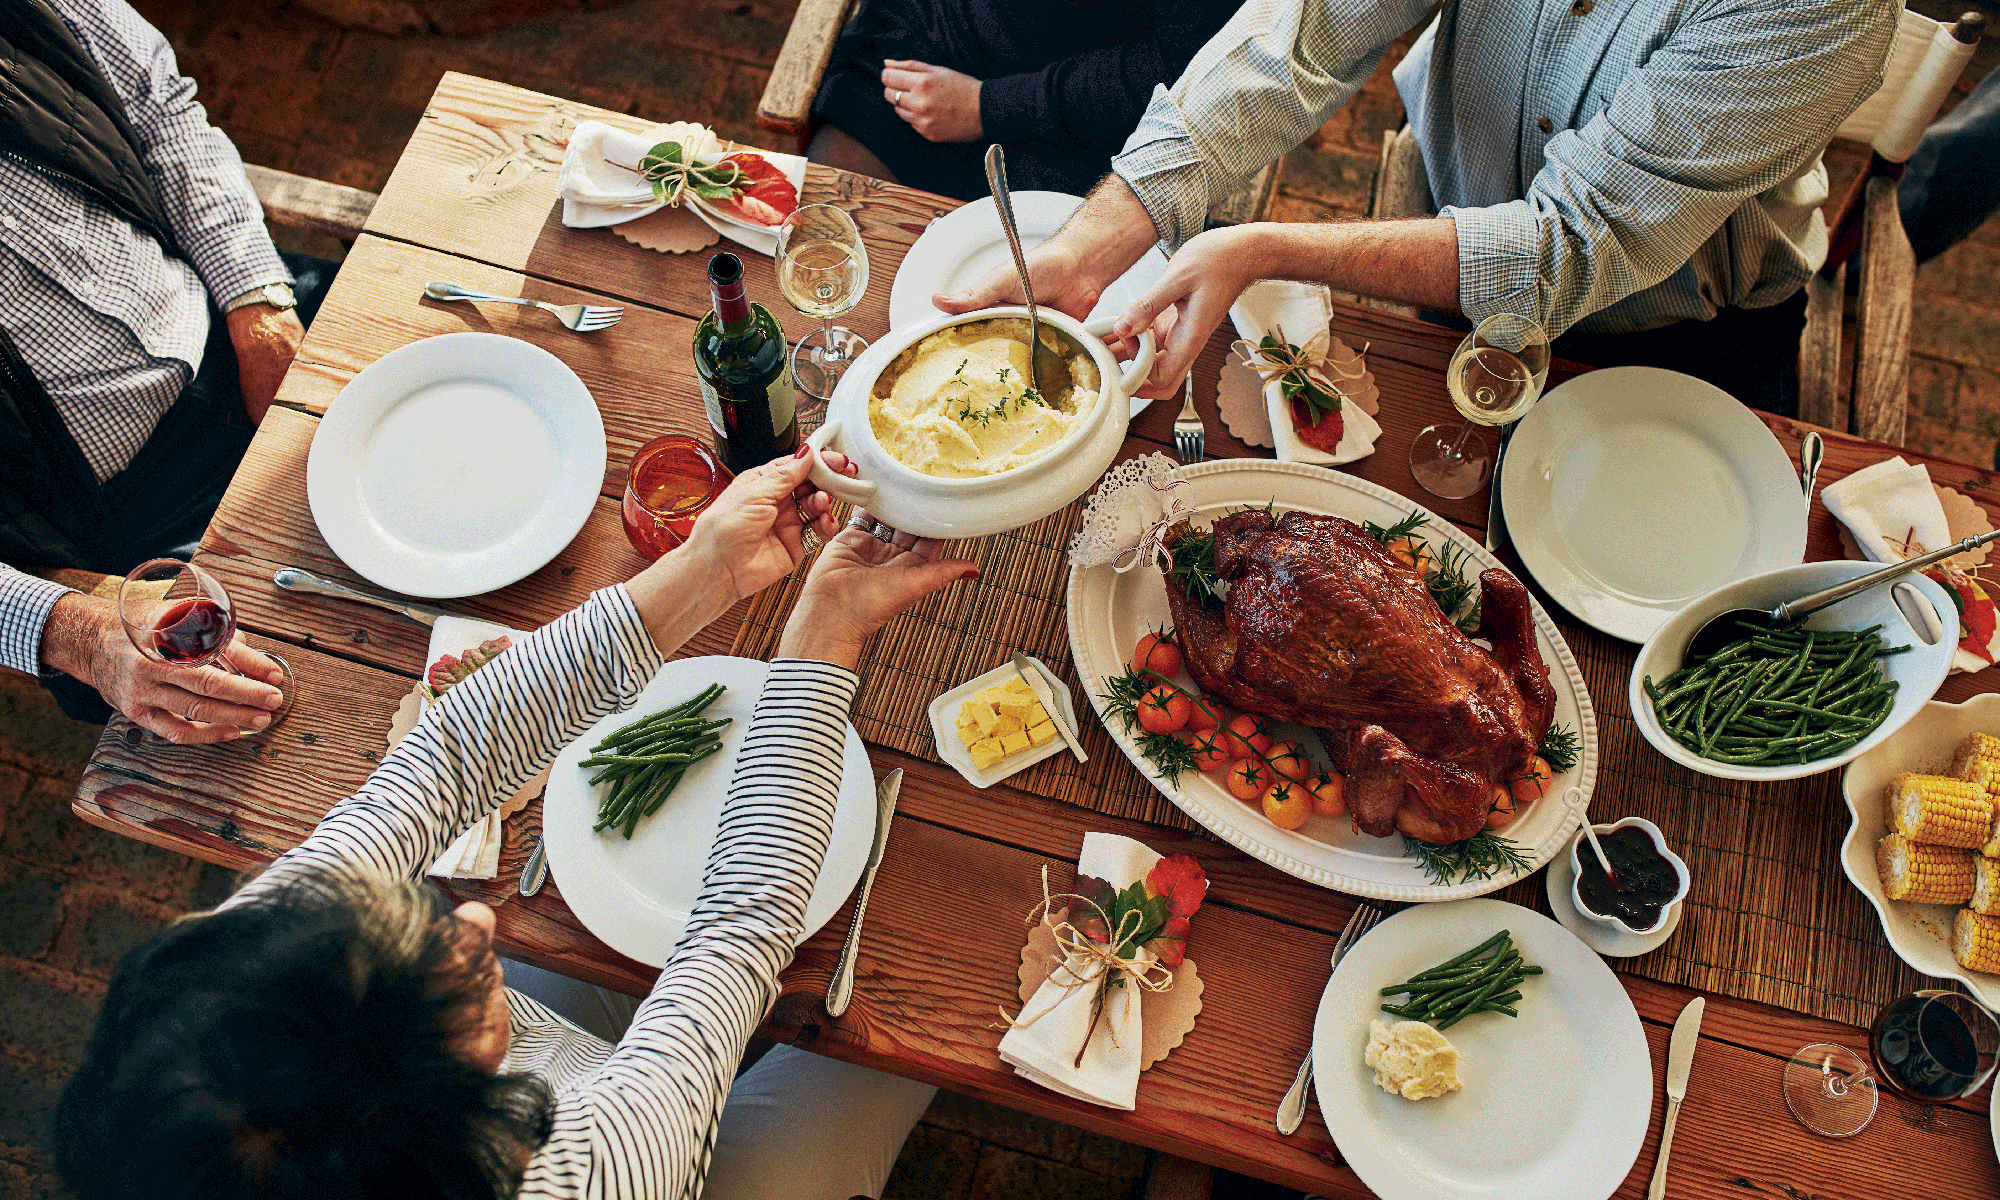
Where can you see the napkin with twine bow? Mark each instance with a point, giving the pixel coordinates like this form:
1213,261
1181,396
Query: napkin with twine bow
603,183
1115,955
1893,512
1297,318
474,854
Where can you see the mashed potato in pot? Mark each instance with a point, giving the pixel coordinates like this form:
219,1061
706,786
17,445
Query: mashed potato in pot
962,402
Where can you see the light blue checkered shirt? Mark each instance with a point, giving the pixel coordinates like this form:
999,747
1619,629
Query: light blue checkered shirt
1613,165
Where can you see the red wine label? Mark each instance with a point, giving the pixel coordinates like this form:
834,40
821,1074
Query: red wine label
725,413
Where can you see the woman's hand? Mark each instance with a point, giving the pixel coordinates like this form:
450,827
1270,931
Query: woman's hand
939,103
857,585
754,533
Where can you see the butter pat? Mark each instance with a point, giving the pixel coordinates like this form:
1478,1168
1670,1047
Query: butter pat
1412,1060
986,753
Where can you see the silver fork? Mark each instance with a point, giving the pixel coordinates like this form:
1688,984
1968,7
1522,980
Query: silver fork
1292,1109
1190,439
584,318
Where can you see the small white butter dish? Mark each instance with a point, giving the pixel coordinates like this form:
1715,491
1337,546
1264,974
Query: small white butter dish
944,725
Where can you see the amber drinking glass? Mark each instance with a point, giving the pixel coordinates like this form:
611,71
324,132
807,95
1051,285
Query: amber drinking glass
671,480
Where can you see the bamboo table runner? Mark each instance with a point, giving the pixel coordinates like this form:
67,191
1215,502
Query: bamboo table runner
1770,917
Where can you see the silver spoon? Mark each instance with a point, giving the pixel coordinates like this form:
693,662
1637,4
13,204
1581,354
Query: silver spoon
1052,378
1720,630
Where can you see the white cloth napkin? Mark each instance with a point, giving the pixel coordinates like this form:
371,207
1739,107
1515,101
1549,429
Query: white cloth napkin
601,185
476,853
1302,310
1894,513
1044,1052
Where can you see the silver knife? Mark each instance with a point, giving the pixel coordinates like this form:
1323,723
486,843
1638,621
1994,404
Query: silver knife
536,872
1039,684
1680,1059
297,579
1496,521
841,990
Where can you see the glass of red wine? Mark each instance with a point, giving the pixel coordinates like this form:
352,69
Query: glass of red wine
1930,1046
179,614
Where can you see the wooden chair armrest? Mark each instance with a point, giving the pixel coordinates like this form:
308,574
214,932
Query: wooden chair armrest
786,106
1888,275
1821,402
296,202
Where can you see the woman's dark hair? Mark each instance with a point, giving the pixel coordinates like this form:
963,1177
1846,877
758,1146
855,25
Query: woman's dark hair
297,1044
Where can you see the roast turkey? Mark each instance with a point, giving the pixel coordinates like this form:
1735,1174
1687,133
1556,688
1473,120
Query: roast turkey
1322,627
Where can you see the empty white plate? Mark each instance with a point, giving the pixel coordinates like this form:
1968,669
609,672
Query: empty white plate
456,465
966,243
1632,490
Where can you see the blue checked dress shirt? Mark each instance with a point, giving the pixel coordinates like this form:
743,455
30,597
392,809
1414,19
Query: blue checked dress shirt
1612,165
113,328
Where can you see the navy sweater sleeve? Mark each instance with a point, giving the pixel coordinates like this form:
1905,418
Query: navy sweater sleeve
1095,98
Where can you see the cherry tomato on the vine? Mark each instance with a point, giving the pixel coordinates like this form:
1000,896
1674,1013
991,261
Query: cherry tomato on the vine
1246,736
1206,748
1329,798
1163,710
1156,654
1248,779
1290,761
1286,804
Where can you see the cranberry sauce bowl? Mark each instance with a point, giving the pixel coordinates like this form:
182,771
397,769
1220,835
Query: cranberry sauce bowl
1063,462
1650,883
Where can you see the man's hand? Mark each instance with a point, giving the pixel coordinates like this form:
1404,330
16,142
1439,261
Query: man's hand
266,340
939,103
83,638
857,584
1070,271
1192,298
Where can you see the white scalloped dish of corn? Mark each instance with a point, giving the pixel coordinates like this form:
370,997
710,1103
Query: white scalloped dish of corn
1943,847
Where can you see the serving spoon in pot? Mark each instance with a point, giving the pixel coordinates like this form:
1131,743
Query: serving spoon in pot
1052,377
1723,628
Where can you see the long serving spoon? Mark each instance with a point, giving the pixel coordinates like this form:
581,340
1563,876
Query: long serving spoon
1052,377
1720,630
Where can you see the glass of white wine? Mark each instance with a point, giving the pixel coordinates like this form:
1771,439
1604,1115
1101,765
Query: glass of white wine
822,271
1494,378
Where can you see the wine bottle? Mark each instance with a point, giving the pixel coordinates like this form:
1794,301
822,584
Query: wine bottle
739,353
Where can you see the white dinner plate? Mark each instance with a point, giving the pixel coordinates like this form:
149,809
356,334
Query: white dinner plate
1632,490
1555,1101
456,465
636,896
967,242
1920,934
1108,612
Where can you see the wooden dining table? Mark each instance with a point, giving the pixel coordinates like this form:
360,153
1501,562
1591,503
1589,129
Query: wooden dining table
473,200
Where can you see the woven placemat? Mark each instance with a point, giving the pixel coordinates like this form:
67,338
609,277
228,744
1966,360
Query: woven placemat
1771,918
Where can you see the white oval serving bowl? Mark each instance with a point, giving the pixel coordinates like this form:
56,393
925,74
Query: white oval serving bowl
1917,672
1920,934
928,506
1667,910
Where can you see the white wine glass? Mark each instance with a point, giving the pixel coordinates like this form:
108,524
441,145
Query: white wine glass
1495,376
822,271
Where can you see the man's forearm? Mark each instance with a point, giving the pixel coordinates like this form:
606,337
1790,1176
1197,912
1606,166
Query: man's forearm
1413,262
1110,232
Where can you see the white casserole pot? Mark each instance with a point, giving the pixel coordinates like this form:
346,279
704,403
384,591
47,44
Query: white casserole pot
928,506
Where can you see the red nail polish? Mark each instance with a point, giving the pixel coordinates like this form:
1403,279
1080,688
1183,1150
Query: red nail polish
970,575
803,450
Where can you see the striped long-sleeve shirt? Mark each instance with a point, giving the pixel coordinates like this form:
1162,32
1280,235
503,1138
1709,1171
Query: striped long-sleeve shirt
1613,165
638,1119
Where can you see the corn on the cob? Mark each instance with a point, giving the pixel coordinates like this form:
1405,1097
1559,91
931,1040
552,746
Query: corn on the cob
1924,874
1938,810
1976,748
1975,941
1985,887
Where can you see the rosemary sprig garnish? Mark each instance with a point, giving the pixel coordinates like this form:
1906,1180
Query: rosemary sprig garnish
1193,568
1481,856
1446,581
1401,529
1165,751
1560,748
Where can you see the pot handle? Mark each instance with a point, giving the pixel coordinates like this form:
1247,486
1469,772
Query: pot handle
830,481
1142,364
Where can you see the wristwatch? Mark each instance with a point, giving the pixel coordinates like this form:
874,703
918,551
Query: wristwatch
277,295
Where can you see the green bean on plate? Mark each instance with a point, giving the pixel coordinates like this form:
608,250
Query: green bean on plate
1486,978
644,761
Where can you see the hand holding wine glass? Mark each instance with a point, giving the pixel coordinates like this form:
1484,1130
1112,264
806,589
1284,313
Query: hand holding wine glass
178,615
1494,378
822,270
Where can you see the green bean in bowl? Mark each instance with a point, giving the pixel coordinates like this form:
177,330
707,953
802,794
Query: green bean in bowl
1777,696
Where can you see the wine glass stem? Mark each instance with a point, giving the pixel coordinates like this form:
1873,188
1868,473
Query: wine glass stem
831,351
1457,451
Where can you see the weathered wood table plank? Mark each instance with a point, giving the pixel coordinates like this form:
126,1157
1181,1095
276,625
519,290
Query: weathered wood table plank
473,201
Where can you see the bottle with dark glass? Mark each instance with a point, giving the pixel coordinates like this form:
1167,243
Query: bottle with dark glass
739,353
